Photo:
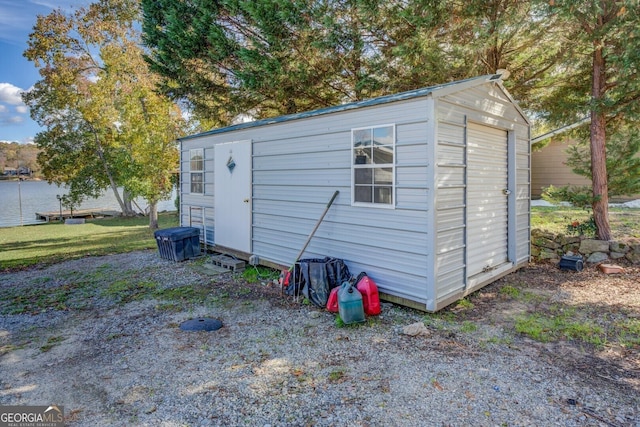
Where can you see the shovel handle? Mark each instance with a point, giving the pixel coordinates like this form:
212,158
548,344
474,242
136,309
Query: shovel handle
314,229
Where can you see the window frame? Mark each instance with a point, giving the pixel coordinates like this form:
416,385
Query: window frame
358,166
194,172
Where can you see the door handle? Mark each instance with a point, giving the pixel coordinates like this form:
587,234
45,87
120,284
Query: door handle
246,200
506,191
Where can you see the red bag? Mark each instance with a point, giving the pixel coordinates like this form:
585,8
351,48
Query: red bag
370,297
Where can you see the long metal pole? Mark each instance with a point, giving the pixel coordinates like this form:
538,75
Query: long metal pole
315,228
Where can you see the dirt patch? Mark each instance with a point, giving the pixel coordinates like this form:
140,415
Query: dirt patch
100,336
608,304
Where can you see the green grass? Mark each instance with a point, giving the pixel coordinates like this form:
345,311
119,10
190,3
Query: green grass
624,222
255,274
563,324
51,342
25,246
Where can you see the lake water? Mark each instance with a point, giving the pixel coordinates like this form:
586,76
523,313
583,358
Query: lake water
39,196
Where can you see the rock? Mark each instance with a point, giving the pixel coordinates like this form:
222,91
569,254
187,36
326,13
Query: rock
616,255
546,253
416,329
544,242
535,251
618,247
633,257
589,246
568,240
635,248
597,257
571,247
536,232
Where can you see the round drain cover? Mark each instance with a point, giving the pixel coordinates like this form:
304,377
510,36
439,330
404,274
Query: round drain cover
201,324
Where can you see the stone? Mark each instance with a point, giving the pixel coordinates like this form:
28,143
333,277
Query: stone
633,257
635,248
544,242
571,247
589,246
546,253
416,329
535,251
596,257
568,240
618,247
616,255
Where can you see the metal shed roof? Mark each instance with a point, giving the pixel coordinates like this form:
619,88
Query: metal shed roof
444,88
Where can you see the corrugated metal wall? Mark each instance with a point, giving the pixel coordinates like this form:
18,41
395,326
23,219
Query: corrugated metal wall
416,250
297,165
457,258
196,210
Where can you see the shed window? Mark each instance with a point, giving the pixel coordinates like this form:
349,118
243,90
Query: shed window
373,177
196,157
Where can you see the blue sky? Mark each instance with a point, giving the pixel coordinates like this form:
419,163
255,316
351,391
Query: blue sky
17,18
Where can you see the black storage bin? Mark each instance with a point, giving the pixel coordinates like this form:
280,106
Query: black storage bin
571,262
178,243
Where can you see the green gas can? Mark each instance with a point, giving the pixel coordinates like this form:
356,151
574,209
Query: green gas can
350,304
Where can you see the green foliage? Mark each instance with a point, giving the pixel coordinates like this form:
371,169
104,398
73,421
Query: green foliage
582,228
255,274
623,161
279,57
105,124
579,197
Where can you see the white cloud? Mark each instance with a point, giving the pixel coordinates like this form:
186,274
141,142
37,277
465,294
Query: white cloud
10,94
3,109
22,109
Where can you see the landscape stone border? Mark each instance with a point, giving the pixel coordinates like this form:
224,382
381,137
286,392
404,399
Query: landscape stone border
549,246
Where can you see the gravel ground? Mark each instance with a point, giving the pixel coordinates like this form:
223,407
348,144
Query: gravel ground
112,354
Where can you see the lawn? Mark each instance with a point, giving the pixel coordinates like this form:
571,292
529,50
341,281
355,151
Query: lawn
625,222
49,243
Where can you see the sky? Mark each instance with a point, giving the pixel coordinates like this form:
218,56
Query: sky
17,18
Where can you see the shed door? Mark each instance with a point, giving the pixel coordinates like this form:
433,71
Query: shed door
232,199
487,198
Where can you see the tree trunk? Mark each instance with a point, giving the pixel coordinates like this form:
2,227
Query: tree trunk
153,215
128,207
600,202
112,182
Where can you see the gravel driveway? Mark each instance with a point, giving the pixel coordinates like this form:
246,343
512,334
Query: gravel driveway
100,336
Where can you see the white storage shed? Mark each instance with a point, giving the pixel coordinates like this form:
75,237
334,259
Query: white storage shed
434,189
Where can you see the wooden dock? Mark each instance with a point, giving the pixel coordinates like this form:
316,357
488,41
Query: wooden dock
80,213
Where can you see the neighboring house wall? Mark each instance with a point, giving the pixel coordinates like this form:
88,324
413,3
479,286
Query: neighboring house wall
548,167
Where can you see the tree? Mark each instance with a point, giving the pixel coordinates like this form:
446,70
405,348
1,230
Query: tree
623,161
105,124
279,57
600,80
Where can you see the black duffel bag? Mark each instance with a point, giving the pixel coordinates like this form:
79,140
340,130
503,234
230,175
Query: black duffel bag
315,277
